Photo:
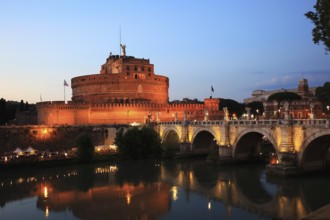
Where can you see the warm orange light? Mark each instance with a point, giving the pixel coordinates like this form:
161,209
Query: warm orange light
273,160
128,198
47,212
45,192
174,193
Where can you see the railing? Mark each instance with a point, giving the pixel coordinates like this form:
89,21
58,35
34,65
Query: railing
271,122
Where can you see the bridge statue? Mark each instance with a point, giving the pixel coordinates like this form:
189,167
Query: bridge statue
123,49
311,115
206,115
226,114
248,112
286,110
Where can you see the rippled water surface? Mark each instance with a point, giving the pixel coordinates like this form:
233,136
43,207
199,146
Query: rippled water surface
158,190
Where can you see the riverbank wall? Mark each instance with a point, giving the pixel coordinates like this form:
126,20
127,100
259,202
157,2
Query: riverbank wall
53,137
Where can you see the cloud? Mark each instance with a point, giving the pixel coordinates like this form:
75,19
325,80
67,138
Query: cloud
290,80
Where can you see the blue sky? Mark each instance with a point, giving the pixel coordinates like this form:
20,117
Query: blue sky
236,46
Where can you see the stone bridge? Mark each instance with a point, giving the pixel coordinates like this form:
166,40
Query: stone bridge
299,144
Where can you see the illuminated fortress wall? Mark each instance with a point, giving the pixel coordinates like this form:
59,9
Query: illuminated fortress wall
111,113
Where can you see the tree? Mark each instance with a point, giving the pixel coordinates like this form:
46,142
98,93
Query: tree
321,20
3,111
280,97
323,94
138,143
21,106
233,106
284,96
85,147
257,108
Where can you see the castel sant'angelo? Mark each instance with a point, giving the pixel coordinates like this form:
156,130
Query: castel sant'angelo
126,90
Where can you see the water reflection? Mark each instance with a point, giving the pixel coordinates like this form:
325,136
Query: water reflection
161,190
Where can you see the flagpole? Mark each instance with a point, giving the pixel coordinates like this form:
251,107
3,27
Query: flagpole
64,92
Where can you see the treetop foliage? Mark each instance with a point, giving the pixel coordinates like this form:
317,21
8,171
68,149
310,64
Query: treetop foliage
233,106
321,20
323,94
85,147
284,96
138,143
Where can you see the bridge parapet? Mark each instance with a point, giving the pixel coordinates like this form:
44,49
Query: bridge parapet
314,122
254,122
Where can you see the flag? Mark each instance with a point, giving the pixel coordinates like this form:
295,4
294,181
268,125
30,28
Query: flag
65,83
212,89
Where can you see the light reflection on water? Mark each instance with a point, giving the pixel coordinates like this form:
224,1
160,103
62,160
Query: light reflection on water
158,190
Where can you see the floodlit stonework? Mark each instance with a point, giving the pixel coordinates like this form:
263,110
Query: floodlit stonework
126,90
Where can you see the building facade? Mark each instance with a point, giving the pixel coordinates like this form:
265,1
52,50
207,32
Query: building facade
307,107
126,90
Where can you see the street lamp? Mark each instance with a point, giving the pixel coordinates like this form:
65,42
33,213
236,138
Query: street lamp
257,114
328,107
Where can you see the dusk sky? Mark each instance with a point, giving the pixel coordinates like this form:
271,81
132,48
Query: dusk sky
236,46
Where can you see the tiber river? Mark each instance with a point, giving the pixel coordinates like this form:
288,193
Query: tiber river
158,190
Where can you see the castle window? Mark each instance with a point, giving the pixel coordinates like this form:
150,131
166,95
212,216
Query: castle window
149,69
135,76
127,73
142,68
149,74
135,68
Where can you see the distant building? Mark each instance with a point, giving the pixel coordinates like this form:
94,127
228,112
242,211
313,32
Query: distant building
307,107
125,91
262,95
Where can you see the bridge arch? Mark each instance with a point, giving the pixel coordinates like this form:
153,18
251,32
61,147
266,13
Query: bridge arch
314,152
247,143
171,137
203,140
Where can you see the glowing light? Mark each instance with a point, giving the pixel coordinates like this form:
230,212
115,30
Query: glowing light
47,212
174,191
44,131
209,206
113,168
45,192
128,198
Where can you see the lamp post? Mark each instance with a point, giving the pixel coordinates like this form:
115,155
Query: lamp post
328,108
257,114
